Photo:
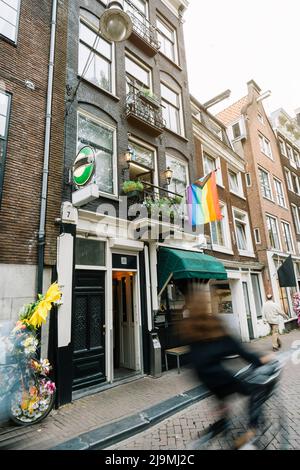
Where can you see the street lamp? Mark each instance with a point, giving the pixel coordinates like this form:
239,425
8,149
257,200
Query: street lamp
168,175
115,23
129,155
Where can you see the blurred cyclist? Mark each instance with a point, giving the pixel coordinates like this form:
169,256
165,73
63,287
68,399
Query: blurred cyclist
210,344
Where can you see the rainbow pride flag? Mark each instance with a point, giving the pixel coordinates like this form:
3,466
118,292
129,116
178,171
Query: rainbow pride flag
203,201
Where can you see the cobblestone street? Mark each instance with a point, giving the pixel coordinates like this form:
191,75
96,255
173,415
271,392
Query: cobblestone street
179,431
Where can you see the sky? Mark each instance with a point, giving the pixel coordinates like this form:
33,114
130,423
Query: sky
229,42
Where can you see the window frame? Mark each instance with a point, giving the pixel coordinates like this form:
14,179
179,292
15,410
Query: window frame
257,236
17,26
297,218
165,102
238,174
143,66
5,140
282,147
249,252
112,62
266,142
217,161
274,218
263,186
173,29
141,143
227,247
277,181
284,224
288,176
100,122
294,178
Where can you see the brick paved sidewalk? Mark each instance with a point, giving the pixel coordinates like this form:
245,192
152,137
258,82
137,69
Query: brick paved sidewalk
94,411
110,405
179,431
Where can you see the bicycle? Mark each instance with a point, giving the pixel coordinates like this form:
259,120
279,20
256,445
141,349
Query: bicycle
27,394
267,379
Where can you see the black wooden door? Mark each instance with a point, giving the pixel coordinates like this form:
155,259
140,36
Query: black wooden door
88,329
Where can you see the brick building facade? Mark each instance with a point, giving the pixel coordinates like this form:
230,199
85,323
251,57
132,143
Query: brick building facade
240,299
130,108
253,137
24,58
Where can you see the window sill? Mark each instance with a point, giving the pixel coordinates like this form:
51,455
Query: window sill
222,249
9,41
171,61
248,254
180,136
109,196
238,195
270,200
98,88
266,155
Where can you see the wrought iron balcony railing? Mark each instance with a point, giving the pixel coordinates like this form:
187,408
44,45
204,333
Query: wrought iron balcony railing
143,29
146,114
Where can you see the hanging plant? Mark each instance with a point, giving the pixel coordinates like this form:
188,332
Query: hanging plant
132,186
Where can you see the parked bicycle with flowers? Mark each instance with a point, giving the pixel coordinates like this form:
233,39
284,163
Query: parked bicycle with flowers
25,388
296,302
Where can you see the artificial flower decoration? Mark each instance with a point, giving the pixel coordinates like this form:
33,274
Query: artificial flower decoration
42,308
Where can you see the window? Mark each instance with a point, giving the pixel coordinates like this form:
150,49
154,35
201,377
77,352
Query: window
295,183
235,182
138,7
171,102
287,236
168,40
9,18
295,212
89,252
236,130
260,118
221,298
219,230
212,164
95,62
273,232
257,236
138,75
257,294
143,162
180,180
282,147
248,180
288,179
279,192
265,184
297,159
242,231
4,118
101,137
265,146
290,154
217,130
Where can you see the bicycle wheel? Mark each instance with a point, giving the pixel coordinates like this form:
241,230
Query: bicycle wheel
31,406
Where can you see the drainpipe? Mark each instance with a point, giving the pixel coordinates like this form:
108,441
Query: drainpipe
44,195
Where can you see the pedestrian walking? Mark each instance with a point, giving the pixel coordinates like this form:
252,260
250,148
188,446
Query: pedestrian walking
271,313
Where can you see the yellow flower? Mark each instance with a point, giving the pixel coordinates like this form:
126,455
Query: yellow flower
53,294
40,314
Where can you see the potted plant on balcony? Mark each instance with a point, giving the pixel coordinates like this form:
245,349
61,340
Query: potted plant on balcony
163,207
132,188
148,97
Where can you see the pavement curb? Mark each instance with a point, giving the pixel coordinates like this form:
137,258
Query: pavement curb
117,431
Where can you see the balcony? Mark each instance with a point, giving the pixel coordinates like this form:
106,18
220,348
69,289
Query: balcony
145,113
144,34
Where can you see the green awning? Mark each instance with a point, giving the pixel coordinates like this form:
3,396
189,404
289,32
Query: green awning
181,264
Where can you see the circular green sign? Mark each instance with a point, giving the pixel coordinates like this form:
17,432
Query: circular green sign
84,166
